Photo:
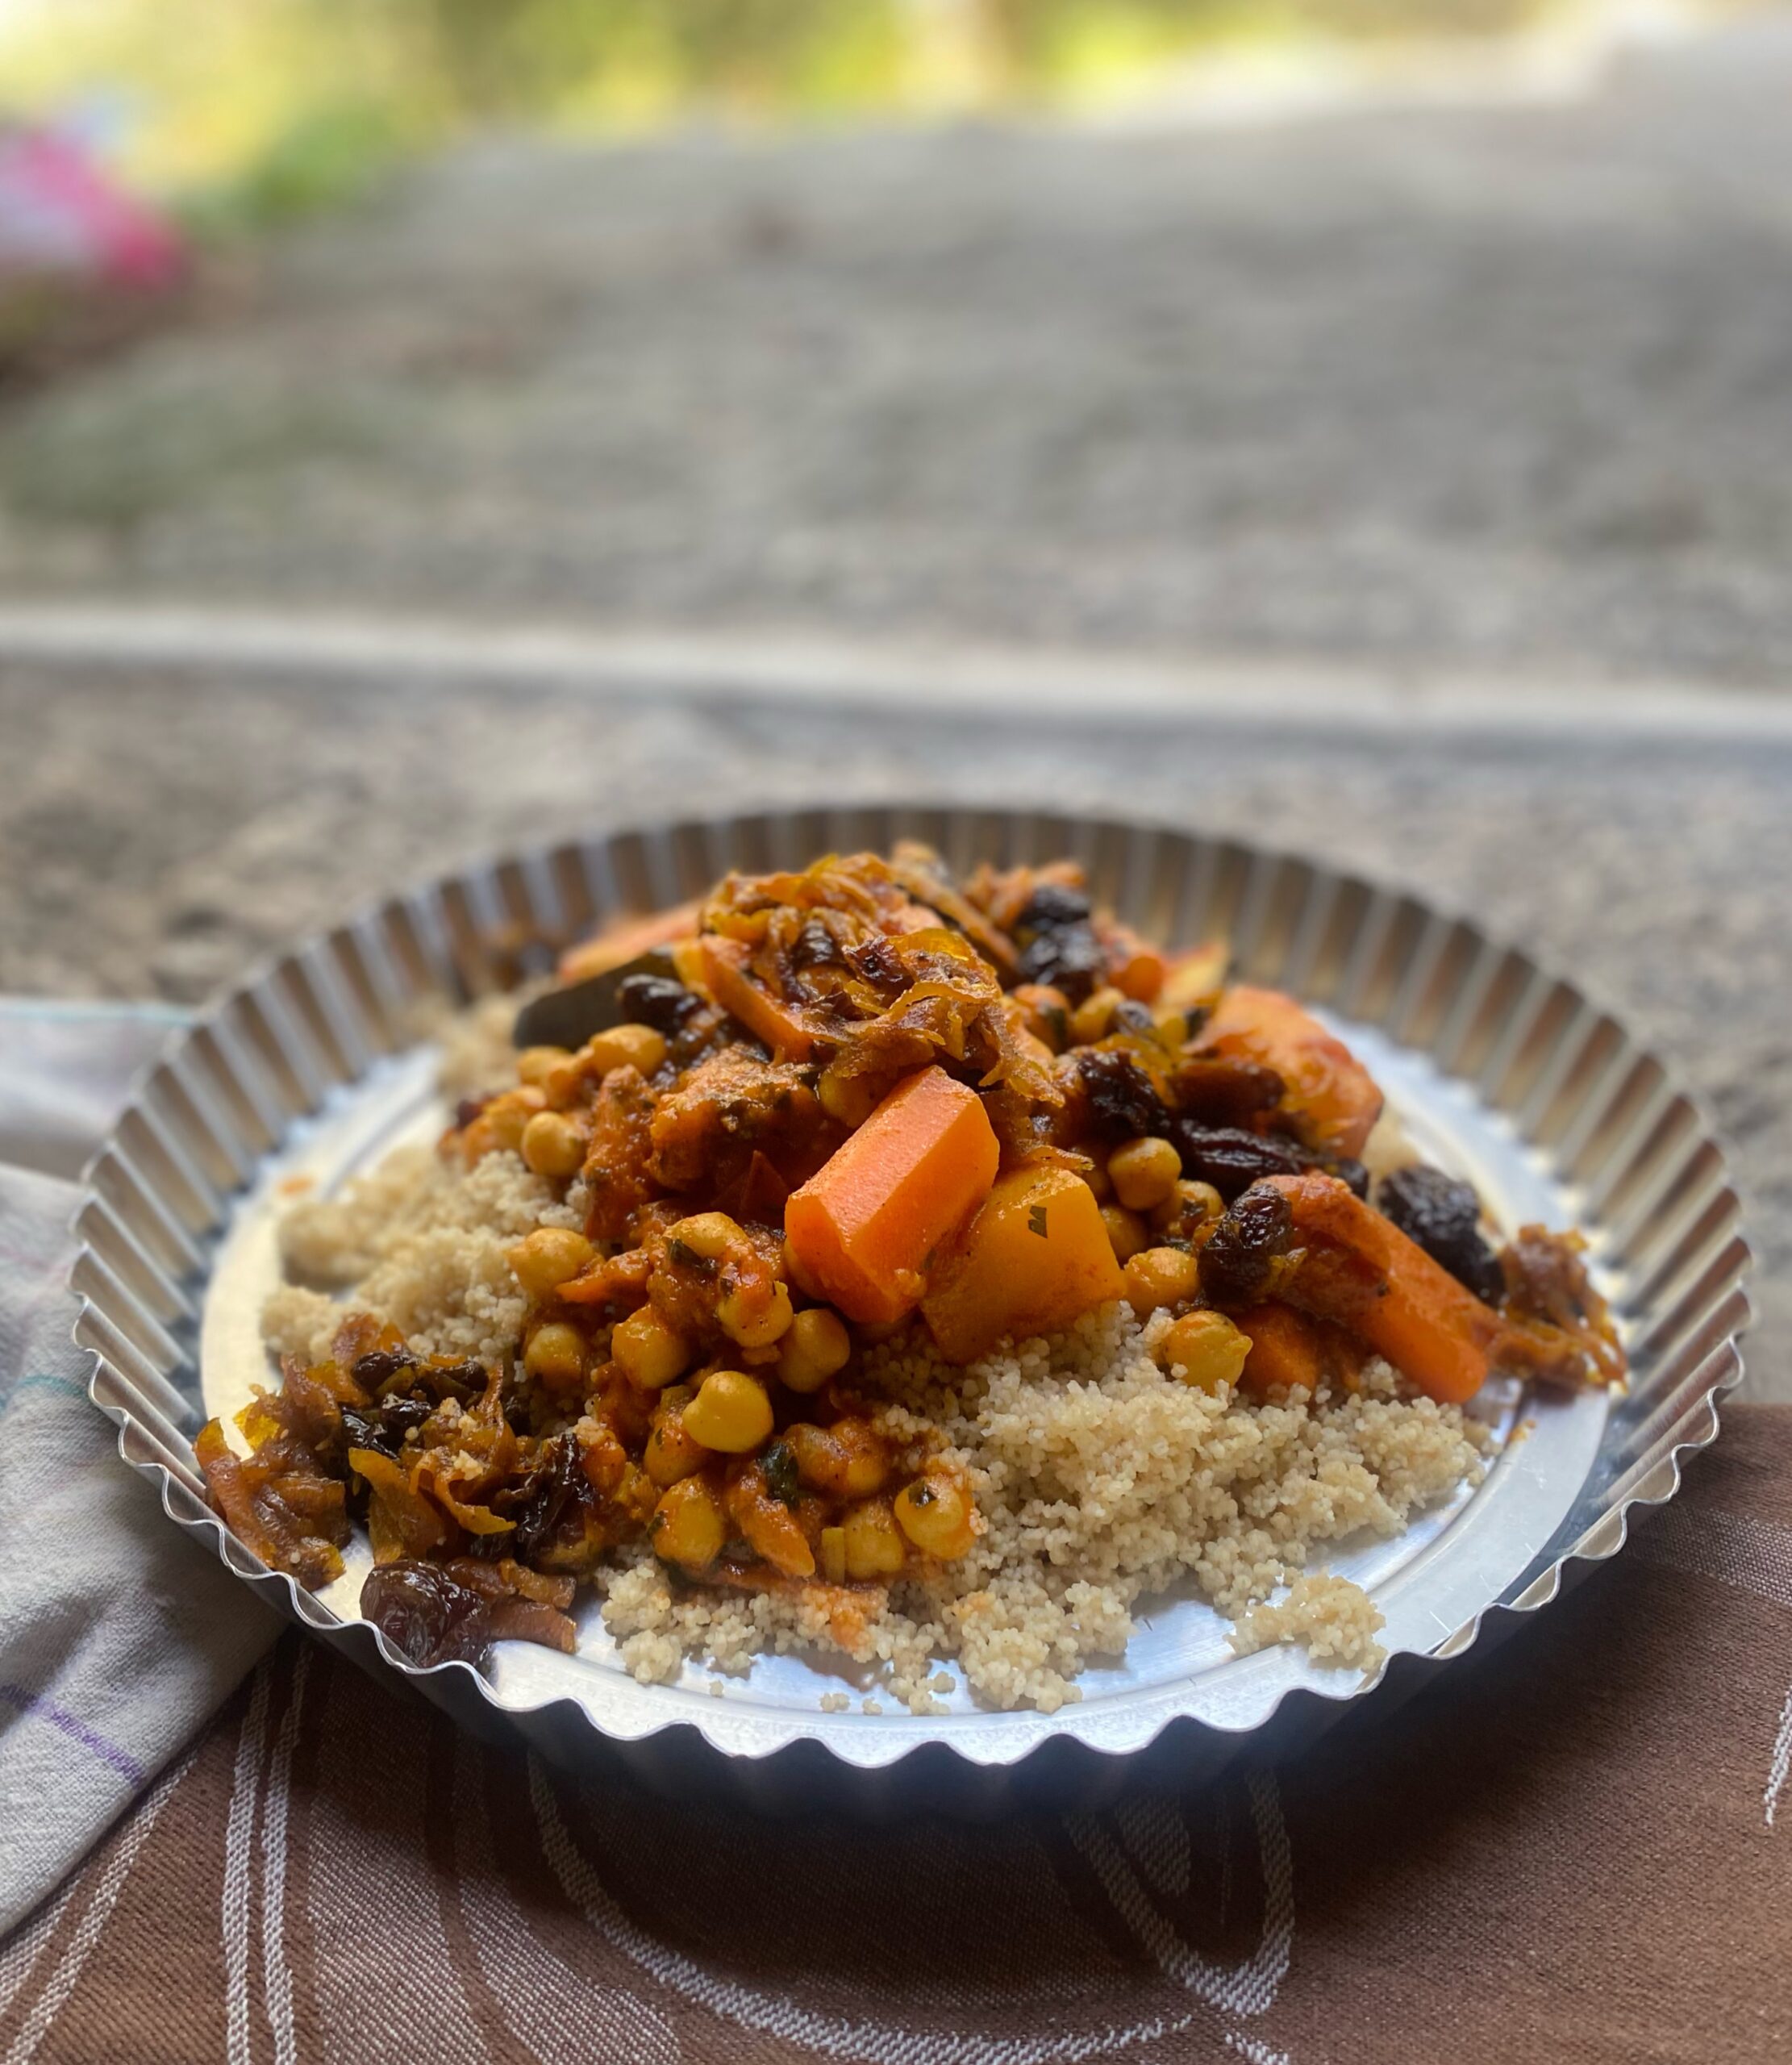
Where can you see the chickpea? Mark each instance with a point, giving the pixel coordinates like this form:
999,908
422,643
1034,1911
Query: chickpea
731,1414
935,1513
688,1527
555,1354
550,1257
873,1542
553,1145
652,1355
1098,1180
536,1065
624,1046
816,1347
501,1123
670,1452
708,1235
833,1554
1145,1172
847,1460
755,1321
1047,1013
1190,1204
1091,1020
1206,1349
1126,1231
1161,1276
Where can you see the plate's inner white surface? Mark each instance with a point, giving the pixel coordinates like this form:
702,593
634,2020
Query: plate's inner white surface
1448,1566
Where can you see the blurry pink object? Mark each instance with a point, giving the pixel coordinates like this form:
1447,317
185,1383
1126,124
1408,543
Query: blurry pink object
62,213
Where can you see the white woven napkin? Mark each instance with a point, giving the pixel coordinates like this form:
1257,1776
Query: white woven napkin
117,1635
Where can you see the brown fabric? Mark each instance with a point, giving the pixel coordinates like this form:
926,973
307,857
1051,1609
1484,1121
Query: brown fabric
1566,1849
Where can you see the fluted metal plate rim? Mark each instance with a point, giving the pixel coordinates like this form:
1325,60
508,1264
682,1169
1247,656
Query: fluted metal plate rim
1563,1076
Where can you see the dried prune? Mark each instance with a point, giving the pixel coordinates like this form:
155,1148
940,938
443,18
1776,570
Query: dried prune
1124,1102
1443,1215
1052,903
657,1000
1069,956
1350,1172
1214,1089
1237,1261
1232,1160
447,1612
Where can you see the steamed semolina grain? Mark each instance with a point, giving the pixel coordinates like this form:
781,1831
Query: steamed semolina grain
1099,1480
1336,1621
477,1055
420,1242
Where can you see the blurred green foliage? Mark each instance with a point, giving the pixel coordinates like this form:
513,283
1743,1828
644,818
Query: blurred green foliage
268,109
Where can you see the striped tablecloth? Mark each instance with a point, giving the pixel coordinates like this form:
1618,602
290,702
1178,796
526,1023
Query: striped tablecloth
1567,1849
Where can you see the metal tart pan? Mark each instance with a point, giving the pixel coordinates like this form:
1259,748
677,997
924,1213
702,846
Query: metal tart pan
309,1071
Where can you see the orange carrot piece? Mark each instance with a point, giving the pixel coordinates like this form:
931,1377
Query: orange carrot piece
1363,1272
1328,1086
861,1230
732,984
627,940
1295,1351
1285,1349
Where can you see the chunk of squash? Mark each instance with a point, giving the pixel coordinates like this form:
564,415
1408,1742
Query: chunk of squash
1328,1089
859,1233
1037,1256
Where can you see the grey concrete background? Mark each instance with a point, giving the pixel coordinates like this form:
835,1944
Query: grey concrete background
1507,390
1506,386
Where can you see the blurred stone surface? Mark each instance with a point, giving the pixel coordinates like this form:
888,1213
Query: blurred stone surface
1496,386
171,828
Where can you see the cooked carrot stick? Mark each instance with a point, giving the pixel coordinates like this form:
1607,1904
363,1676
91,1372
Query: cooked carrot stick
627,940
1295,1351
1362,1271
861,1230
1326,1085
1286,1349
731,982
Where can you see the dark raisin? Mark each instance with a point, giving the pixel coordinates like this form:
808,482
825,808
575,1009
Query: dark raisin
657,1000
1052,903
1124,1102
540,1503
1250,1234
1443,1215
467,1110
374,1372
1231,1160
1131,1017
778,1466
1069,958
816,947
384,1426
